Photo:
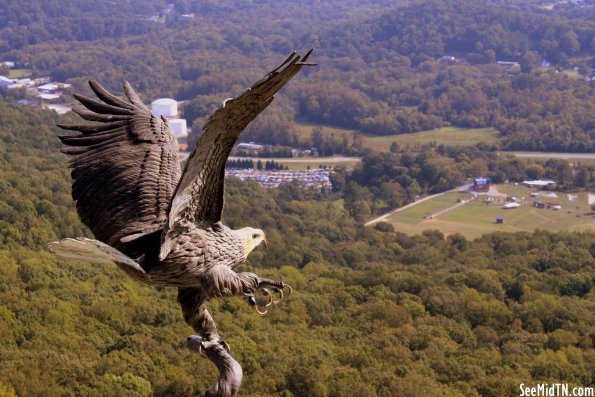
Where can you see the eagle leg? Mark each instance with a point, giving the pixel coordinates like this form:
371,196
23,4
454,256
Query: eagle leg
194,307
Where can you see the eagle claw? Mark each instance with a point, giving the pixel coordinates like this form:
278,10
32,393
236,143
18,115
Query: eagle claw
266,292
254,304
267,288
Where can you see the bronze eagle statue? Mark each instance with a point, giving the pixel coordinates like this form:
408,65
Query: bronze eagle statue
160,225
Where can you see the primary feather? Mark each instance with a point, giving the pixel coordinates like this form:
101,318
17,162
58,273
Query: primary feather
125,167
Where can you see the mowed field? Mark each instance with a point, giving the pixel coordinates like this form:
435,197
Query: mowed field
476,218
573,158
446,135
19,73
302,163
316,163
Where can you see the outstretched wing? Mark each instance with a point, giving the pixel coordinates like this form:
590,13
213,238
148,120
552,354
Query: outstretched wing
125,168
199,196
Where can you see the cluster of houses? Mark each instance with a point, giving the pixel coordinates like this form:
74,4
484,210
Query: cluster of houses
482,185
314,178
41,87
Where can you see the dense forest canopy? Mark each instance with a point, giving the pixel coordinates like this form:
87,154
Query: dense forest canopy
374,312
380,72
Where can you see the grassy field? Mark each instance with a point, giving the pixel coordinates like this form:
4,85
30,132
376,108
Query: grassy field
573,158
305,130
316,163
417,212
476,218
313,162
446,135
19,73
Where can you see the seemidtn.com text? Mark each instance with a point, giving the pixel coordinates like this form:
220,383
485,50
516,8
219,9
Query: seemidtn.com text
555,390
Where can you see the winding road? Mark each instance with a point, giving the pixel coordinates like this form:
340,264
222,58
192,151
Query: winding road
381,218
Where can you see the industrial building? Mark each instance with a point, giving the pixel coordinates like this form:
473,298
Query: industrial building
165,107
168,109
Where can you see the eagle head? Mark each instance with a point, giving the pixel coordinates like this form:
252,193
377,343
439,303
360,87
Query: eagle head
251,238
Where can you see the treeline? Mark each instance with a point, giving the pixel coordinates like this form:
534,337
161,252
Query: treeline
240,163
268,165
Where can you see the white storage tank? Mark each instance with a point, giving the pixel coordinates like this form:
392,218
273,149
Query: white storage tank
165,107
179,127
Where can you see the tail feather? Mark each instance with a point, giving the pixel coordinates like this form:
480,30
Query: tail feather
89,250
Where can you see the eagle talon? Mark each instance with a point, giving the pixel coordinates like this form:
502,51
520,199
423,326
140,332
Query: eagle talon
252,302
280,292
266,292
289,288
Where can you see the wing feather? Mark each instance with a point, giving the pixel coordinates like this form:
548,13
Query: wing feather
199,195
123,169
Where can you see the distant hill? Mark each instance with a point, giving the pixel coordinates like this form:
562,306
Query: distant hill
433,64
476,30
27,22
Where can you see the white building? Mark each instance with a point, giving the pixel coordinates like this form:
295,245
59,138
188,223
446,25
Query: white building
48,87
5,81
249,146
508,63
179,127
165,107
538,183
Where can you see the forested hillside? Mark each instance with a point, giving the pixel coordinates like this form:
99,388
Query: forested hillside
29,22
374,312
381,69
387,75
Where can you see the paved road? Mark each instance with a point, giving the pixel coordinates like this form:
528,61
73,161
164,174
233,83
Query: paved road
577,156
334,159
462,188
328,160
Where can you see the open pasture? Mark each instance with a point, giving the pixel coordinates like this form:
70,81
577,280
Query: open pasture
477,218
445,135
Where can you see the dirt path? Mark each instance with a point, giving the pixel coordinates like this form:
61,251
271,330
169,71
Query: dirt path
566,156
403,208
457,205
